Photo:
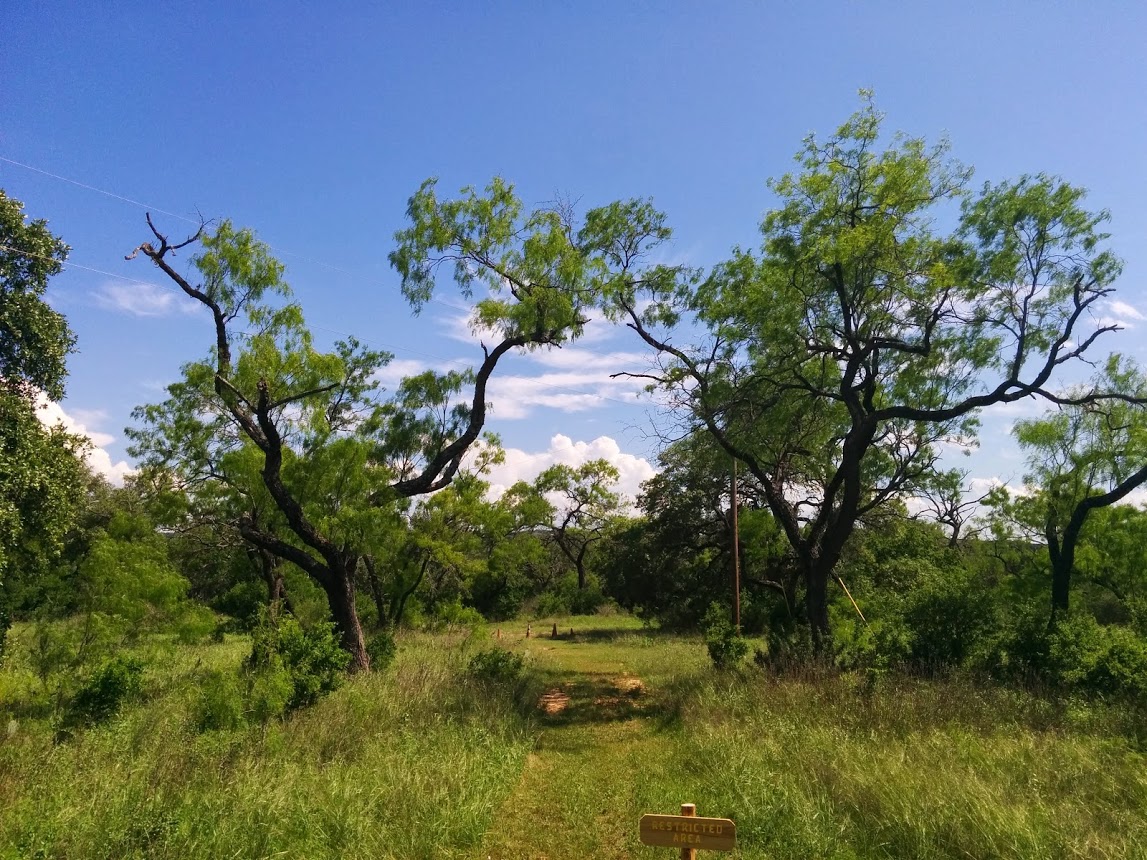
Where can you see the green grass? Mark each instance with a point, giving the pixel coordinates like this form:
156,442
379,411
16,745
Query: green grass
421,762
410,763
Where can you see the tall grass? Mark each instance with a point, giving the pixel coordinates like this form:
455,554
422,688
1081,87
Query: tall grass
411,763
911,769
425,761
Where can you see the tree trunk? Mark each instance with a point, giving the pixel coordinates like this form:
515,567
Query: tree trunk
816,606
340,595
376,591
1061,552
267,563
1062,562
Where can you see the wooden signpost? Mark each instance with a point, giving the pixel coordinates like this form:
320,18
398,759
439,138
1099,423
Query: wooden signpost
688,832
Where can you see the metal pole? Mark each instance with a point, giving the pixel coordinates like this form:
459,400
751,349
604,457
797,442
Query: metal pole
736,557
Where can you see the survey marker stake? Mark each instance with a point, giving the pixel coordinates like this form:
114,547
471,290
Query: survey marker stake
688,832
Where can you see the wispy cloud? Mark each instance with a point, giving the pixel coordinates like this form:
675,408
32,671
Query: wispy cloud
143,300
400,368
512,397
1123,309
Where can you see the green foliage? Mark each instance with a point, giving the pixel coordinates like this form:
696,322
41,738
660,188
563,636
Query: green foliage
564,597
725,645
382,649
290,667
1108,660
496,666
34,338
100,697
1084,457
837,360
41,470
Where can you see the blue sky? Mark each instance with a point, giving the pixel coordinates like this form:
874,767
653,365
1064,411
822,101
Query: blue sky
313,123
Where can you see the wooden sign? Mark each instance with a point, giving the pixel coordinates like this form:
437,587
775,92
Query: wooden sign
688,832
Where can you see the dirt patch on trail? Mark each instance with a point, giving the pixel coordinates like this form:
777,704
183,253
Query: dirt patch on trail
624,690
553,701
629,685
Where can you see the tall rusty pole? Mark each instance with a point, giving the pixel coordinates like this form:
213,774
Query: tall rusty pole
736,557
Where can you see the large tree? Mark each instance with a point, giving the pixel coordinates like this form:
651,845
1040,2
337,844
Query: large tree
41,475
861,336
312,456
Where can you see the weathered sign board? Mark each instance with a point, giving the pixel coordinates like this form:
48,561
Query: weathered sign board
688,831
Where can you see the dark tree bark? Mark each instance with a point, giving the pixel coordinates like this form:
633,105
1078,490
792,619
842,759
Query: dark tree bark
1061,547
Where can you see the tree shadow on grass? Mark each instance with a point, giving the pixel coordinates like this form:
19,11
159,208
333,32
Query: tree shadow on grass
612,634
594,697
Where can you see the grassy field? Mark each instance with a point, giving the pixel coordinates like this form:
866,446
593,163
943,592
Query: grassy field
608,724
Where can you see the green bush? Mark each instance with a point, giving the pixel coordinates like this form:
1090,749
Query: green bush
565,598
195,624
269,693
283,653
456,615
382,650
726,647
101,695
1107,660
496,666
946,618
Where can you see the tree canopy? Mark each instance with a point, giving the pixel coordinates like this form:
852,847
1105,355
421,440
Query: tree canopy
41,474
860,338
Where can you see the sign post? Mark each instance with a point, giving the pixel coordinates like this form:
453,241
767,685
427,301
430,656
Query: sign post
688,832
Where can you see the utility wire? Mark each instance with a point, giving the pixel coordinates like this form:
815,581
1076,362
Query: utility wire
356,275
98,190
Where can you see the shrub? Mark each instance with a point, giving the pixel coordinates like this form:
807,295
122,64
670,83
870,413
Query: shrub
496,666
1105,660
947,616
565,598
100,697
726,647
456,615
269,693
309,661
195,624
382,650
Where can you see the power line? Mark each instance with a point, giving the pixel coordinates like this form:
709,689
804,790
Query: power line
357,275
98,190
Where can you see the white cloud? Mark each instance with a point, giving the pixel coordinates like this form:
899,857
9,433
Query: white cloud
511,397
1125,310
52,414
522,465
143,300
398,369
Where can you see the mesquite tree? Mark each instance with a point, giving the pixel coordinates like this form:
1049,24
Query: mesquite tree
861,337
310,454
